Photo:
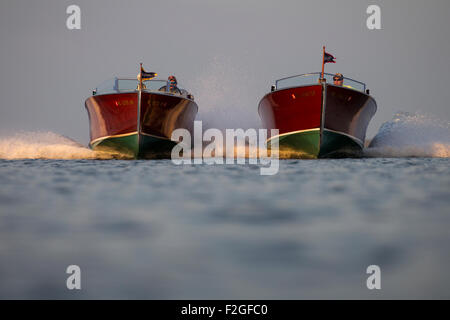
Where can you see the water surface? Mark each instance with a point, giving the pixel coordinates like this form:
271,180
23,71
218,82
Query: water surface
150,229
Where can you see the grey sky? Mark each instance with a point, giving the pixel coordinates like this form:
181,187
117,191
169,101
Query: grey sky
227,53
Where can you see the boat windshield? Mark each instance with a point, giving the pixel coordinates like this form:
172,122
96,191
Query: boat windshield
313,78
119,85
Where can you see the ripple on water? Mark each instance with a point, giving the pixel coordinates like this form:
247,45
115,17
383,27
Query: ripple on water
219,231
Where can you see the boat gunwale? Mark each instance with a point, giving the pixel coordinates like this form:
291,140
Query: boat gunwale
161,93
312,85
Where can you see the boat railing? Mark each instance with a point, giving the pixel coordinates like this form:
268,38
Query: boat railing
313,78
122,85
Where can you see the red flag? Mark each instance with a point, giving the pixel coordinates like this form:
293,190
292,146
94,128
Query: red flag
147,75
328,58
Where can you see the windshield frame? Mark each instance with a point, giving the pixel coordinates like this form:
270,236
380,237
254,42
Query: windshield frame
112,86
326,75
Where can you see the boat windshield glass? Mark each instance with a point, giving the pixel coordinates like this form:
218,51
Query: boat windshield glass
117,85
313,78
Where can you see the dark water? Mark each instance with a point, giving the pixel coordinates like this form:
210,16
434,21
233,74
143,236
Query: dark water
150,229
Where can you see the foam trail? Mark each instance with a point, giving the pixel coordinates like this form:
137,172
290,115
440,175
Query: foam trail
247,151
411,135
46,145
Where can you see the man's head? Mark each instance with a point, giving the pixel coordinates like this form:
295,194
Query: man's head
338,79
172,81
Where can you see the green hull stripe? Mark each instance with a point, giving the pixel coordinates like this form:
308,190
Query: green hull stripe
299,145
148,147
295,145
155,148
125,145
337,145
308,145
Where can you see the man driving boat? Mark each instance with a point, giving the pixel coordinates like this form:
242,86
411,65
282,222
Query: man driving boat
338,80
171,85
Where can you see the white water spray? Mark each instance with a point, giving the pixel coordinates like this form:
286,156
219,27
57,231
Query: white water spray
226,96
411,135
45,145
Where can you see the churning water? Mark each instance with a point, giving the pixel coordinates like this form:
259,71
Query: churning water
151,229
407,135
412,135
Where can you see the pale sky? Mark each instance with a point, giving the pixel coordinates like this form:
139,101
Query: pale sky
227,53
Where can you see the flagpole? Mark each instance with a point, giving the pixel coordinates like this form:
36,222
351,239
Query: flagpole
138,124
140,77
323,62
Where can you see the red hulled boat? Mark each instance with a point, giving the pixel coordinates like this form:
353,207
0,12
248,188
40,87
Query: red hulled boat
317,119
136,118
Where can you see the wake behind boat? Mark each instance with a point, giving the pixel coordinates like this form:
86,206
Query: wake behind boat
136,117
318,119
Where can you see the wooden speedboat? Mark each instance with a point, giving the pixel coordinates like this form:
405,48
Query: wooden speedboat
135,118
317,119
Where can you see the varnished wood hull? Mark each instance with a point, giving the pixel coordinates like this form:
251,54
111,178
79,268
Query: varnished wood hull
318,121
116,126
